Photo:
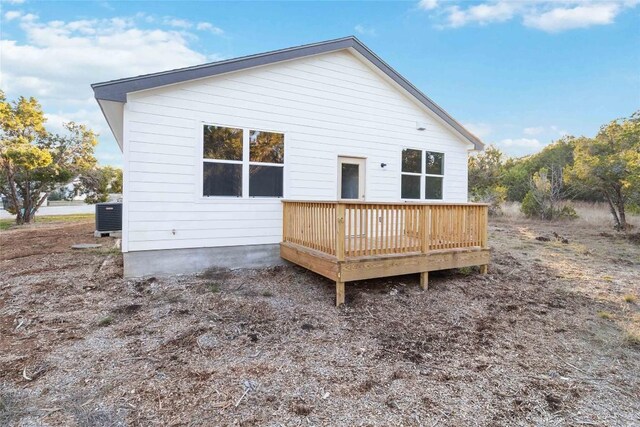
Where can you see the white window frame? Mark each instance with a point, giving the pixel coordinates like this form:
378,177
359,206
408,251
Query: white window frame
245,162
424,168
423,174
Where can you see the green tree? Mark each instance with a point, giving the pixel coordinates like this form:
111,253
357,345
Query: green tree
485,175
99,182
34,162
610,164
485,169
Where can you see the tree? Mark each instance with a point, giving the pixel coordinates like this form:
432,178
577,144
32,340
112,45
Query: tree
99,182
546,191
33,162
485,174
610,164
485,169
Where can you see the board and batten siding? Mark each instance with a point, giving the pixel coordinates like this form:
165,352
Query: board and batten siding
326,105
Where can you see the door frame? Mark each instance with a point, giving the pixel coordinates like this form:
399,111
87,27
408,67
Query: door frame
362,176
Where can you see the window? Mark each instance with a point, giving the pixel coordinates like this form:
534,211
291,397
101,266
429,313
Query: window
232,156
417,174
266,164
434,167
222,155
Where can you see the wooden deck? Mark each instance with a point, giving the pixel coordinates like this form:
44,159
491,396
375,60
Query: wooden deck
347,241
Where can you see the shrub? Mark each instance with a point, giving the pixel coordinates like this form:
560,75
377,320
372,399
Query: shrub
532,208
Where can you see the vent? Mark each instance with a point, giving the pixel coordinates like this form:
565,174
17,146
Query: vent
108,217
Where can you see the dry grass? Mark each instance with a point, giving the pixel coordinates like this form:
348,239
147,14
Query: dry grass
522,345
595,214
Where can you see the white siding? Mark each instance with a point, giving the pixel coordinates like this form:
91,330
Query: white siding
326,105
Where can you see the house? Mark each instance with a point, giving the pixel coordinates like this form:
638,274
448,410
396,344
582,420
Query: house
320,154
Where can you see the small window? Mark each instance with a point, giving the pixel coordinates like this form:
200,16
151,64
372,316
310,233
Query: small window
222,179
433,188
222,143
412,161
265,181
266,147
222,161
434,171
411,172
415,173
410,187
434,163
266,164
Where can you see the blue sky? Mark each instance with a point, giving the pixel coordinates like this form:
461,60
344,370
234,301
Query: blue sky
518,74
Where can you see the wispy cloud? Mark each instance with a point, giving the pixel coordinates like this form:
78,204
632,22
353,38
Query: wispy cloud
568,18
207,26
551,16
428,4
365,31
12,14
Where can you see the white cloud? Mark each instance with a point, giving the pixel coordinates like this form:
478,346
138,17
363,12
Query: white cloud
14,1
367,31
428,4
206,26
547,15
568,18
58,60
481,130
483,14
177,22
12,14
536,130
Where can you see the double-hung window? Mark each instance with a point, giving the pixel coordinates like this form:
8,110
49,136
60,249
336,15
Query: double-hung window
233,156
422,174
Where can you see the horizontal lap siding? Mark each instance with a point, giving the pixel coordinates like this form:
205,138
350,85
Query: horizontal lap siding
327,105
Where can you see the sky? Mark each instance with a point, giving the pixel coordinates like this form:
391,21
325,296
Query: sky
518,74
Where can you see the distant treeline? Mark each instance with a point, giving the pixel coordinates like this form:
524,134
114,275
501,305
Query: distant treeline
603,168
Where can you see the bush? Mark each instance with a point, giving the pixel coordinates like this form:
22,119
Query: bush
566,212
531,208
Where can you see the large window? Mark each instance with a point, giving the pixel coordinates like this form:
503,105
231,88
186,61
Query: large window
422,175
232,156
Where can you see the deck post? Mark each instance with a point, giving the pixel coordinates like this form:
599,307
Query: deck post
484,269
424,280
485,227
424,228
339,293
340,233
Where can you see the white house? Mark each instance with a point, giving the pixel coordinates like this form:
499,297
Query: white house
211,151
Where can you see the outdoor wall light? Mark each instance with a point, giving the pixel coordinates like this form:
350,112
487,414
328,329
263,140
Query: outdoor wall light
383,165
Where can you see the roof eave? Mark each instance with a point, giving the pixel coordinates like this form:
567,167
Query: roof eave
117,90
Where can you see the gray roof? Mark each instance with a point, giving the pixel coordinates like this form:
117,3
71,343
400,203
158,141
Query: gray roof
116,90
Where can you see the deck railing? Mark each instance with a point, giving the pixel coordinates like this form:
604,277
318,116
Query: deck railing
358,229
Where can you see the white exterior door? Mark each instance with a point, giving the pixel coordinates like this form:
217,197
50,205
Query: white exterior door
351,178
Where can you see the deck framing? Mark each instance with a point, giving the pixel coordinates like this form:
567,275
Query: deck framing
346,242
361,268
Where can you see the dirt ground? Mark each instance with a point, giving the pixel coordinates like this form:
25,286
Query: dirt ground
549,337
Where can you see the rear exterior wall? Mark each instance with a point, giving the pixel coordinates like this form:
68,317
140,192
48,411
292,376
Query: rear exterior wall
327,106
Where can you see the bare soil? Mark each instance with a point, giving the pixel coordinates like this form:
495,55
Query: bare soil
546,338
